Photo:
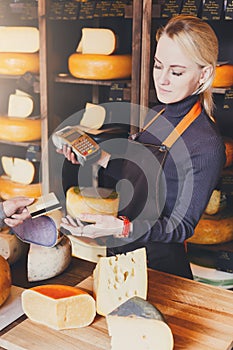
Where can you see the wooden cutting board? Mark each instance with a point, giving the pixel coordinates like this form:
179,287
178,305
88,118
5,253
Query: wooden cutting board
200,316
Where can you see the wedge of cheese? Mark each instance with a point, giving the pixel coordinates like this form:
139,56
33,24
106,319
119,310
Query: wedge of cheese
17,63
100,41
10,189
44,262
19,130
93,117
99,67
59,306
20,106
140,324
19,170
119,278
11,248
87,249
19,39
217,202
5,280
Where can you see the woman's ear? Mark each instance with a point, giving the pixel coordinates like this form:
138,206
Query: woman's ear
205,74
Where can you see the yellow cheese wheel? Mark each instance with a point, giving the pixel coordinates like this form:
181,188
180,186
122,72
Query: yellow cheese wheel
100,67
15,63
5,280
91,201
229,151
19,130
223,76
9,189
210,231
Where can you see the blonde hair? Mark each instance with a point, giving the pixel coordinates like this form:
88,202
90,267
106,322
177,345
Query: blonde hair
199,41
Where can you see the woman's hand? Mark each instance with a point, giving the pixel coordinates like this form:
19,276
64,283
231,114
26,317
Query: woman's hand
16,211
102,226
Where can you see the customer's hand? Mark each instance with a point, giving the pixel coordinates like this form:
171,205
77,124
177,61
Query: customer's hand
67,152
101,226
16,211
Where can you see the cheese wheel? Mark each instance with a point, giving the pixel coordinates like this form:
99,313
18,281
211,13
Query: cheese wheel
59,306
91,201
223,76
5,280
119,278
13,63
140,324
11,248
20,130
229,151
10,189
100,67
211,231
46,262
19,39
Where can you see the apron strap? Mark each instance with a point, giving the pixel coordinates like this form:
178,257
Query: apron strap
183,125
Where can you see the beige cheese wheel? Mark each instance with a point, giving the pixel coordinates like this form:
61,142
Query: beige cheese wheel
85,202
210,231
100,67
59,306
9,189
19,130
11,248
14,63
5,280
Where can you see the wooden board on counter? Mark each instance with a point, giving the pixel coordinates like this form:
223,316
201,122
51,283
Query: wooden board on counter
200,316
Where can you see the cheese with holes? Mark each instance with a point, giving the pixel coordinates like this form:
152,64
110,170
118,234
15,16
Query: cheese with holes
59,306
19,39
217,202
100,67
93,117
5,280
44,262
87,249
11,248
14,63
100,41
119,278
19,170
140,324
10,189
19,130
20,106
91,200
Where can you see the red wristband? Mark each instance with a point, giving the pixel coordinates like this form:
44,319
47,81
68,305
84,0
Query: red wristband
126,226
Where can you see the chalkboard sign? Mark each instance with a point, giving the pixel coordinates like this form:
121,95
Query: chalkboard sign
70,10
171,8
212,10
229,10
117,8
228,100
191,7
102,8
116,92
56,9
87,9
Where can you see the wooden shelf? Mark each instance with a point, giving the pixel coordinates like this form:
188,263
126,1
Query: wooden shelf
66,78
20,144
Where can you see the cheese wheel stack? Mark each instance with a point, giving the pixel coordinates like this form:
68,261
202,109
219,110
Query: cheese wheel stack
94,58
19,48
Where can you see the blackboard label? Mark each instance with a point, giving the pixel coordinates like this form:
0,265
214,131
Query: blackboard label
56,9
229,10
228,100
212,10
70,10
171,8
87,9
191,7
117,8
102,8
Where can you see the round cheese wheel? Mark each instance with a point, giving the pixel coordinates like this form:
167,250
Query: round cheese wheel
60,306
19,130
100,67
229,151
223,76
9,189
210,231
91,201
5,280
12,63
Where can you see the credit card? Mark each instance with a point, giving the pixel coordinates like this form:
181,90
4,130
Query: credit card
43,205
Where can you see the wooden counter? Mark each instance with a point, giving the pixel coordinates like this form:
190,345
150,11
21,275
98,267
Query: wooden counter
200,316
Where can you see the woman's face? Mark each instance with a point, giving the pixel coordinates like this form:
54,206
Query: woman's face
175,75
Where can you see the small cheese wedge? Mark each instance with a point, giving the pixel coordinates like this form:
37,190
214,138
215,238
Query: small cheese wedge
20,106
93,117
11,248
19,170
217,202
19,39
119,278
87,249
5,280
59,306
140,324
44,262
97,41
